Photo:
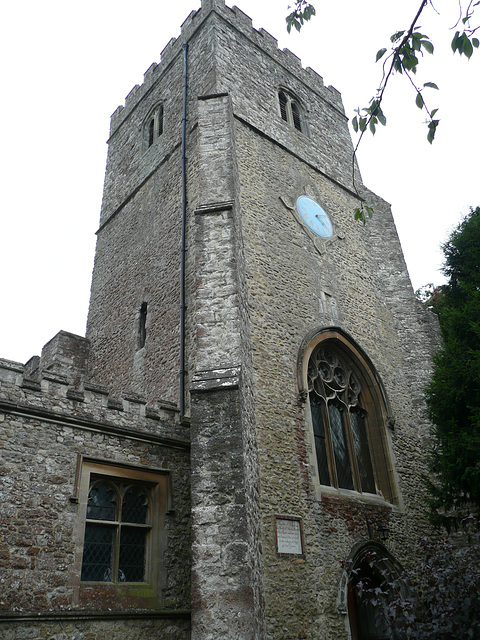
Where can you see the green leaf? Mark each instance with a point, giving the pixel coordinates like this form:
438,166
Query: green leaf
292,21
419,101
361,213
431,85
409,60
396,36
381,118
427,45
372,125
355,124
475,42
432,129
455,41
467,47
380,54
397,64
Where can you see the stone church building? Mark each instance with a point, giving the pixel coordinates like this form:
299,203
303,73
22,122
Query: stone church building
241,430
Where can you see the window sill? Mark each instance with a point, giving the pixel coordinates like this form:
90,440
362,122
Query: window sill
109,595
353,496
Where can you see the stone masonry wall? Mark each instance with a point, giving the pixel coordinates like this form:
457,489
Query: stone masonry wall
47,426
257,286
138,248
226,582
371,299
357,282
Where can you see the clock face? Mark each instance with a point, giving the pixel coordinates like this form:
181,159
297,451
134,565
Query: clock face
314,217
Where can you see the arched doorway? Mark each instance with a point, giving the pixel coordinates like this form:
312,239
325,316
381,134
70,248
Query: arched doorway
369,591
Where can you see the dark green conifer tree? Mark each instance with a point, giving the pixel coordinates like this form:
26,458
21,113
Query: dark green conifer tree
453,395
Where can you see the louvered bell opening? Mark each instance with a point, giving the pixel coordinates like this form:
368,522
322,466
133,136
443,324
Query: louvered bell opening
282,98
296,117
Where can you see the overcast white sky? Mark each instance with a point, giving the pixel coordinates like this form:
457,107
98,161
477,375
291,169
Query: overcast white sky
67,66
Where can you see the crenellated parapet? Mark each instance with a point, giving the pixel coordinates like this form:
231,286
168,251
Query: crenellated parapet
243,23
56,386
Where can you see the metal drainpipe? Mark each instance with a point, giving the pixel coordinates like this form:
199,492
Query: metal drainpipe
183,247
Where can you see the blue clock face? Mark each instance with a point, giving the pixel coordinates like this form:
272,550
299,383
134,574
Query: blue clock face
314,217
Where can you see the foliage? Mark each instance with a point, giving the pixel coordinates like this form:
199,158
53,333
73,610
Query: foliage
403,57
453,395
302,13
361,213
429,295
406,49
439,598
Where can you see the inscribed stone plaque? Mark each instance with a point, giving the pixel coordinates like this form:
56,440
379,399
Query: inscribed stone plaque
289,536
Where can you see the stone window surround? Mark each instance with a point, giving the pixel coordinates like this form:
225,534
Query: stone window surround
378,417
106,595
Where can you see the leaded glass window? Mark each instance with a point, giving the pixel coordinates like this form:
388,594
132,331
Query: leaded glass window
116,531
339,418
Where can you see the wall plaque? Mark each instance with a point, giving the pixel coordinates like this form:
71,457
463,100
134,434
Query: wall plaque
289,535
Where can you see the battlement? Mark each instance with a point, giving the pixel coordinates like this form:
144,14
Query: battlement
56,386
243,23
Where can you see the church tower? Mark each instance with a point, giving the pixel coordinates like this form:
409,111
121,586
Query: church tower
240,314
231,280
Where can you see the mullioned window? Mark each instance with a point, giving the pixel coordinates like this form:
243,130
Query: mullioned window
153,126
290,110
348,419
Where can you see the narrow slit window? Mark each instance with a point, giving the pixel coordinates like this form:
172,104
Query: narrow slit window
160,120
142,326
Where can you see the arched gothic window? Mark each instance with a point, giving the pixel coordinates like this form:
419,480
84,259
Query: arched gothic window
153,126
290,110
348,417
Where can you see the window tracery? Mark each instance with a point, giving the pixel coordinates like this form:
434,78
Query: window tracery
348,418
